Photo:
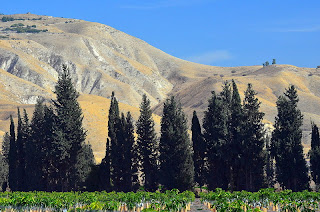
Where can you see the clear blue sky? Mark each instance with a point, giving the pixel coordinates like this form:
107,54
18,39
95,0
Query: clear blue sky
214,32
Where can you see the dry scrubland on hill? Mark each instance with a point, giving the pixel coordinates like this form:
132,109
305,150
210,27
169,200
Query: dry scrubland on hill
103,59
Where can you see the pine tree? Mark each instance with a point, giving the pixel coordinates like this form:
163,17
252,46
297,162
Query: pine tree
315,138
215,132
115,132
105,169
71,134
291,169
20,155
269,170
3,173
48,150
235,137
314,154
4,162
176,164
23,136
254,142
199,148
147,146
84,165
130,172
34,149
12,158
6,146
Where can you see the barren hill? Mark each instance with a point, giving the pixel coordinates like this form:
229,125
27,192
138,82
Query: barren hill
103,59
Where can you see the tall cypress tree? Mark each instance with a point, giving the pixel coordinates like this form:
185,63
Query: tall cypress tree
71,135
105,169
176,164
215,132
254,142
130,171
235,140
114,131
4,167
84,165
199,151
12,157
147,146
6,146
49,172
20,170
36,161
314,154
291,168
269,170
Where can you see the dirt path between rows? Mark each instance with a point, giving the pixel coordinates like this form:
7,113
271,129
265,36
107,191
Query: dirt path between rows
196,205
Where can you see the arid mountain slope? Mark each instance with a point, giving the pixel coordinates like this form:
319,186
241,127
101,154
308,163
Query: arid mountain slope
103,59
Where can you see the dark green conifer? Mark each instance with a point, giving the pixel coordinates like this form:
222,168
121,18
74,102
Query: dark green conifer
235,138
105,169
6,146
84,166
114,131
291,168
130,171
215,135
176,163
34,149
71,134
49,152
253,154
314,155
199,151
12,158
147,146
269,170
4,160
20,169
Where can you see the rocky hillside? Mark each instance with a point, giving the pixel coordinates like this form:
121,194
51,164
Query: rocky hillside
103,59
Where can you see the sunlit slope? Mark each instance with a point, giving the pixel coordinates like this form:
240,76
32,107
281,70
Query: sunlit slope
102,59
95,111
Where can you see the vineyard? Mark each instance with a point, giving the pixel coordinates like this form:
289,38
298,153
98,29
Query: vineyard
264,200
96,201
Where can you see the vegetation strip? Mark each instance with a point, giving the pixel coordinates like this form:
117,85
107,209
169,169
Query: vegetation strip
97,201
263,200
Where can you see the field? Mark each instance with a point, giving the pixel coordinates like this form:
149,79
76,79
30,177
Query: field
264,200
96,201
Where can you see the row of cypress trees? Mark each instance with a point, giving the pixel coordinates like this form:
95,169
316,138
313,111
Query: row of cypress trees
234,152
230,152
49,152
167,161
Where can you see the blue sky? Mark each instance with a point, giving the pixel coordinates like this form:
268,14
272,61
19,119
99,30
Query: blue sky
213,32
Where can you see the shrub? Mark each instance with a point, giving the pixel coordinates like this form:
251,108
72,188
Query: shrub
17,25
7,18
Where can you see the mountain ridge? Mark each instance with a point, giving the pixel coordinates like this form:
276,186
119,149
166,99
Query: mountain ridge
102,59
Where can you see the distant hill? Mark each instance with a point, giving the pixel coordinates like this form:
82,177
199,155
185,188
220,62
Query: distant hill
103,59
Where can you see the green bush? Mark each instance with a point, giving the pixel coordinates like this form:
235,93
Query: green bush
7,18
17,25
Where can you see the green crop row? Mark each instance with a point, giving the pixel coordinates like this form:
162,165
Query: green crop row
264,200
96,201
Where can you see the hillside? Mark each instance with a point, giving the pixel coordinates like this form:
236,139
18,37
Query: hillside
103,59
